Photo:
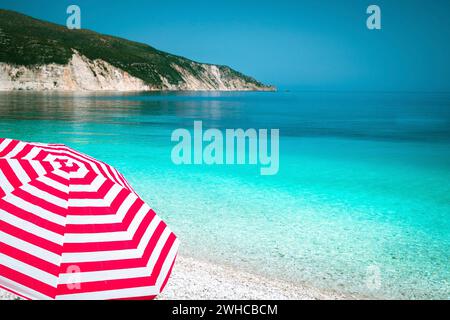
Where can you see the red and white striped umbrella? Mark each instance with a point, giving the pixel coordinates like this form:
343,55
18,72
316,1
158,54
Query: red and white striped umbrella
71,227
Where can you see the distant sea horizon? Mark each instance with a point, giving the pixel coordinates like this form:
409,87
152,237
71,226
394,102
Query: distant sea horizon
299,88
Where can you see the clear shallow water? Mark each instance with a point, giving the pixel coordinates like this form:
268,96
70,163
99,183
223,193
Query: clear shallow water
363,182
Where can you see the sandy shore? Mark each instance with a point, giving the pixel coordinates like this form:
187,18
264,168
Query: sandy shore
198,280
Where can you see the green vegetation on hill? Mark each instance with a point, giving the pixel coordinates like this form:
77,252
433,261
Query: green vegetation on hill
28,41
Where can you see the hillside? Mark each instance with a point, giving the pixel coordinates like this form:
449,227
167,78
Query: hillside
35,54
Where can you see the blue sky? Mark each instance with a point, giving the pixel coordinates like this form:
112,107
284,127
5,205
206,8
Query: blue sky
309,44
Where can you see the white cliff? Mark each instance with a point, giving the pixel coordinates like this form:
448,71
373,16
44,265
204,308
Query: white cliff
83,74
80,74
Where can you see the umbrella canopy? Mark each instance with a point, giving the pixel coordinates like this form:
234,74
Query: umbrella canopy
71,227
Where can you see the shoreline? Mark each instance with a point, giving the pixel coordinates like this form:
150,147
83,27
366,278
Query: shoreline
138,91
193,279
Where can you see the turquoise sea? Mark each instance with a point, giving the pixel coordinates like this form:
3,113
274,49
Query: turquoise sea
361,203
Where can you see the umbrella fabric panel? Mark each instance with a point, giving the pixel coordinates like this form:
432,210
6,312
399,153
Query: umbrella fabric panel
71,227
